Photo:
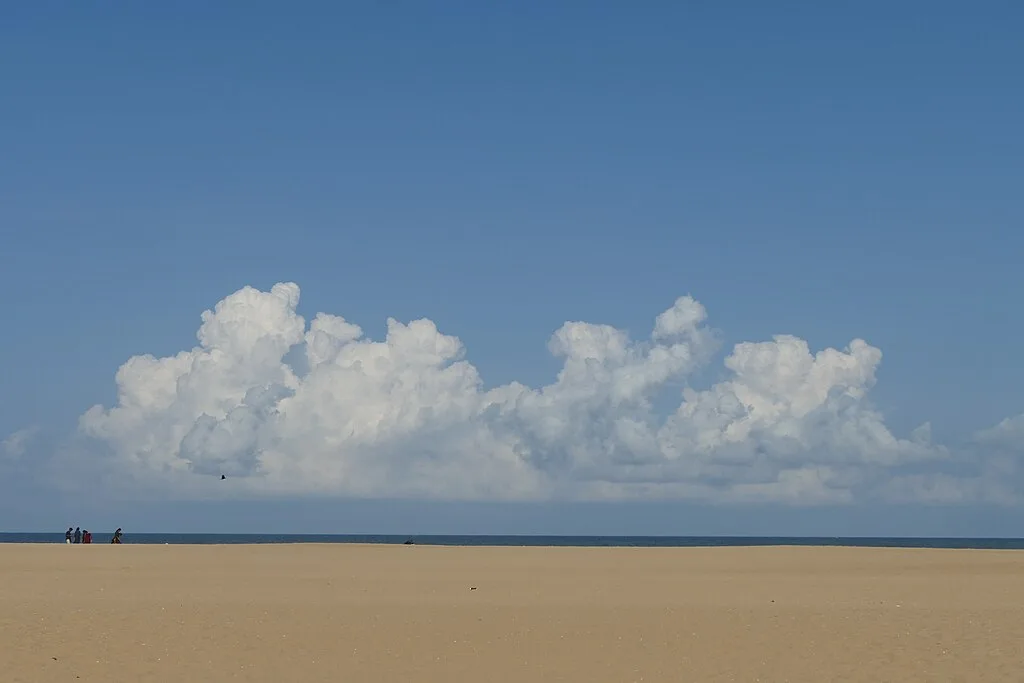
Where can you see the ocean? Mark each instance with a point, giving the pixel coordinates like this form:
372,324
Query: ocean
576,541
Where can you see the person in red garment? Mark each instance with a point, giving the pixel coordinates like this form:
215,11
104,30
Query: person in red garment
86,536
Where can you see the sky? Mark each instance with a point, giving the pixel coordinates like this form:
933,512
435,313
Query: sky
541,267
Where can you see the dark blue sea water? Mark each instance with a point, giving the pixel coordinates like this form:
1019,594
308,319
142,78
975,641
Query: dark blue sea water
595,541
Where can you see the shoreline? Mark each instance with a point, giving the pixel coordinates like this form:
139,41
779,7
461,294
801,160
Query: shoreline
501,546
249,540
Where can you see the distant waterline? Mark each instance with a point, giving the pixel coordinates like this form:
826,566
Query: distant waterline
567,541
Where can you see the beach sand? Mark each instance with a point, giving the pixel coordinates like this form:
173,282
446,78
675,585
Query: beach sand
357,613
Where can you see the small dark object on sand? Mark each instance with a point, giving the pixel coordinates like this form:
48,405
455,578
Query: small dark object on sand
408,542
472,588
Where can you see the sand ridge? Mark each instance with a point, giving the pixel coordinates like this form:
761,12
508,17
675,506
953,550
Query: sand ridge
308,612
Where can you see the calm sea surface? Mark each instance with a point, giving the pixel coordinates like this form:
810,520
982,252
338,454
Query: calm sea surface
596,541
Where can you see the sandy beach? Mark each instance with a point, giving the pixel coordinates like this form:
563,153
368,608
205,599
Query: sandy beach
417,613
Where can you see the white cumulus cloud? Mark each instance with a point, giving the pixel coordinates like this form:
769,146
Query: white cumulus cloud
16,444
409,415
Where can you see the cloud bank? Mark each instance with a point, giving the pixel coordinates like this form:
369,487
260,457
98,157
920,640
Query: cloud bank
410,416
16,445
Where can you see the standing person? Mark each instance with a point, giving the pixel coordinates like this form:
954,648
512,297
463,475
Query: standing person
78,535
67,535
117,536
86,536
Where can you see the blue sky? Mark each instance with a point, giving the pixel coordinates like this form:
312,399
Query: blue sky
823,172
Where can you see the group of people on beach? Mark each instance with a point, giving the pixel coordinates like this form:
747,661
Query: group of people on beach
79,535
